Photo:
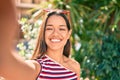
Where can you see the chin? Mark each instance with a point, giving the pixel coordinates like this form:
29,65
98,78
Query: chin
55,48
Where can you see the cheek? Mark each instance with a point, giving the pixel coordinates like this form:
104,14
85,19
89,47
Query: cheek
65,35
47,33
47,36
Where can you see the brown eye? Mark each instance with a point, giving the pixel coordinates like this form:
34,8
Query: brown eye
62,29
49,28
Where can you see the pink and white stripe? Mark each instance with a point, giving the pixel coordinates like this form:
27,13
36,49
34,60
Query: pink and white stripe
51,70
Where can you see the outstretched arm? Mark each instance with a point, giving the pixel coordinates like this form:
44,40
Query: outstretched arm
8,23
12,66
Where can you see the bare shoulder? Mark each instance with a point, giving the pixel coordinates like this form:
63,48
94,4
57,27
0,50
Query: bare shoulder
35,64
75,64
75,67
32,62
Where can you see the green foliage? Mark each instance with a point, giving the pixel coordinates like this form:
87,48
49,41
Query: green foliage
108,59
97,34
30,31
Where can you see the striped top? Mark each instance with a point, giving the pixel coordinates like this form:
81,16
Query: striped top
51,70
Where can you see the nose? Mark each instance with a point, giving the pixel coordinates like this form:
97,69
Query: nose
55,32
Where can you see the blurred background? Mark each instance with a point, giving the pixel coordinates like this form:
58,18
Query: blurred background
95,33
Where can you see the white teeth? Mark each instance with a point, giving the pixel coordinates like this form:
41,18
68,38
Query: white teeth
55,40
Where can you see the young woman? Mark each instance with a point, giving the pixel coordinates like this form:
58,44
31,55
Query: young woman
51,59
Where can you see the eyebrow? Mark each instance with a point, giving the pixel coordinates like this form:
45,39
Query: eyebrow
62,25
52,25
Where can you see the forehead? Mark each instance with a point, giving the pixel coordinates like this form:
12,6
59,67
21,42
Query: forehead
56,19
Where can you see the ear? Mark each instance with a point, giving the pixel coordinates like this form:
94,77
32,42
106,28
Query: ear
69,33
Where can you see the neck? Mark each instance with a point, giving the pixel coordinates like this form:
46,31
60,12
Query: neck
56,55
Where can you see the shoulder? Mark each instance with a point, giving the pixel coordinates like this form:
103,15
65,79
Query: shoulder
32,62
75,66
35,64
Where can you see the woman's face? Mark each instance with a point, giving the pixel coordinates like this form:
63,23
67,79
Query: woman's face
56,33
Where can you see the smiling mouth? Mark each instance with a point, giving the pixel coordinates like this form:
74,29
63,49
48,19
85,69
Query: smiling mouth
55,40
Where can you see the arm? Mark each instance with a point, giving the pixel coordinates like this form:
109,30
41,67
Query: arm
12,66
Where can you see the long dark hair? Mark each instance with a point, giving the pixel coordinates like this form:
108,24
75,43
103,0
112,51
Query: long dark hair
41,46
